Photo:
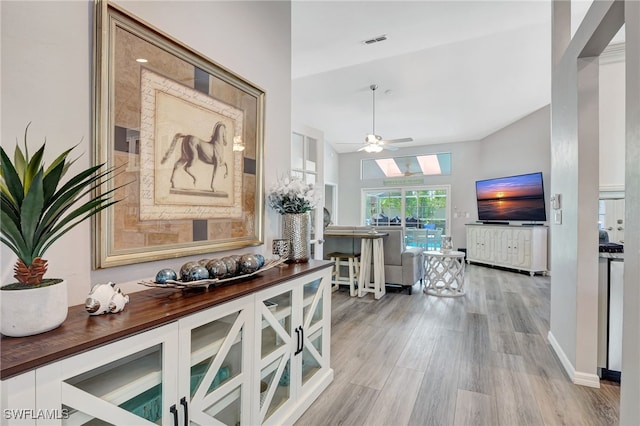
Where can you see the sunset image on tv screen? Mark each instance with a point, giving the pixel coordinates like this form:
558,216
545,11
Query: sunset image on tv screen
511,198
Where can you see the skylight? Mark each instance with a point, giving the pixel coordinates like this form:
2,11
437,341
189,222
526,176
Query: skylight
429,164
408,166
388,167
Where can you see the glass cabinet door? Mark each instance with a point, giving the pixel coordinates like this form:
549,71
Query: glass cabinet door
217,351
126,382
313,330
276,336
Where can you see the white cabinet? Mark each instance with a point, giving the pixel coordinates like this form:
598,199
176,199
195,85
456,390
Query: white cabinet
18,400
259,358
292,347
517,247
131,381
214,364
195,370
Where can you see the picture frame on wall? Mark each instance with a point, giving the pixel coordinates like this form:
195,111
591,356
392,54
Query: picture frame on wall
187,137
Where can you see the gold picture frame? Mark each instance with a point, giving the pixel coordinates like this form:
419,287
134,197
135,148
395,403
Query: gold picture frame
188,138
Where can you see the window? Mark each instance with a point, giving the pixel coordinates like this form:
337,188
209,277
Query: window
411,165
424,212
304,157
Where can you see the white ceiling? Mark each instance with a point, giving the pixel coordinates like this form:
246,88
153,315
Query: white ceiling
449,71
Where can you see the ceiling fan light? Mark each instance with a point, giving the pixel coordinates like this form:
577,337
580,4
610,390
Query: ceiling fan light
373,148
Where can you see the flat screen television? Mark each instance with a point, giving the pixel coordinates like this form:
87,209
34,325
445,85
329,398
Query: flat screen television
508,198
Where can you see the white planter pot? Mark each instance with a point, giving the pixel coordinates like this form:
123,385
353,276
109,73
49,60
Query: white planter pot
33,311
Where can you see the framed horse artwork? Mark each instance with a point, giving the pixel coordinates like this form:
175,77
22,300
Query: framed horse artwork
171,118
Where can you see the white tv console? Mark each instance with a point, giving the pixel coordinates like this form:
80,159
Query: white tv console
511,246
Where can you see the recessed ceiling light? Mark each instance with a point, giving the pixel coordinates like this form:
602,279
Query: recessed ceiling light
142,60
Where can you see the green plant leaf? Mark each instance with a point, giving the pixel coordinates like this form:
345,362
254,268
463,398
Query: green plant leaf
62,158
26,146
4,190
10,209
34,211
13,235
58,215
11,246
68,194
31,210
11,178
19,161
76,180
34,167
57,234
51,181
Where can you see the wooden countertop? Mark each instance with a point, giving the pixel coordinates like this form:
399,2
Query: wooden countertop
146,309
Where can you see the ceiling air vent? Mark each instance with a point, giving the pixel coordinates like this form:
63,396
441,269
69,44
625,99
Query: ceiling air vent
375,39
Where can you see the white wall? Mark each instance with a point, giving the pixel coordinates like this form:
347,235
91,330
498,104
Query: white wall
331,165
46,79
630,388
574,168
522,147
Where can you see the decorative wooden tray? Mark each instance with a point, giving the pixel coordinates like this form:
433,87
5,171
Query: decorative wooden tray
212,281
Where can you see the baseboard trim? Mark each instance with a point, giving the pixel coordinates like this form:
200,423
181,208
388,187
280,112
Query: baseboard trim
586,379
577,377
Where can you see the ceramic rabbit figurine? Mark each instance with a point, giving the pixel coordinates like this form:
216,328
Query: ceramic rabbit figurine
105,298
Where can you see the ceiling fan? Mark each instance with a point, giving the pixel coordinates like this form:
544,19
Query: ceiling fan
408,172
373,142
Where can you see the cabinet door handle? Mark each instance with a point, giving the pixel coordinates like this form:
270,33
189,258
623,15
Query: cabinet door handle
299,340
174,411
185,404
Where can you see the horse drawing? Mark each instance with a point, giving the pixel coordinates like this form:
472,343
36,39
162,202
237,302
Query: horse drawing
194,148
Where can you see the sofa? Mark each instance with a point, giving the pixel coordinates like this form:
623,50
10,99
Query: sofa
403,266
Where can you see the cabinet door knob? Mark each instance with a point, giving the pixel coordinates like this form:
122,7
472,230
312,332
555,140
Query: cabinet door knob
620,228
185,405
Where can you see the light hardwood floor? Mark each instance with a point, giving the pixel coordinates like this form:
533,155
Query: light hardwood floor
482,359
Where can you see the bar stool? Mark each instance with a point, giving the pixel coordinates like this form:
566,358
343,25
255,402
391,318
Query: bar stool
352,261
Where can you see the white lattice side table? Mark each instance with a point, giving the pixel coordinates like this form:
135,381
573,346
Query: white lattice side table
444,273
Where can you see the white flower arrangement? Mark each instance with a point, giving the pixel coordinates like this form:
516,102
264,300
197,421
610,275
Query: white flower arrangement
292,195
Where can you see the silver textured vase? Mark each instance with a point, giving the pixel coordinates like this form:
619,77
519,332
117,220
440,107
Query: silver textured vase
297,229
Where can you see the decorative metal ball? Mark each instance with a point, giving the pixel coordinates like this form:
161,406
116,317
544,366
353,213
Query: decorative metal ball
166,274
233,268
260,260
198,273
203,262
217,269
249,264
185,269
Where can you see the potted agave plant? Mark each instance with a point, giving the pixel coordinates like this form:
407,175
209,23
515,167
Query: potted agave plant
37,209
